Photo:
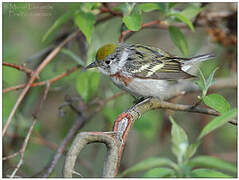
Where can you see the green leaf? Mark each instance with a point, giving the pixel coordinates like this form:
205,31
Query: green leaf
123,7
82,85
191,150
133,22
73,56
89,6
75,6
147,7
212,162
179,39
94,79
85,21
208,173
191,11
159,172
217,102
87,84
184,19
148,164
179,140
148,124
210,81
62,19
172,4
200,84
218,122
204,84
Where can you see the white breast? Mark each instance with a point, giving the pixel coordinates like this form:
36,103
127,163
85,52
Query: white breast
145,87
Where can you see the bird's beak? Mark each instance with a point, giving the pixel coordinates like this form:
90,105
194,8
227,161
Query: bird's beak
92,65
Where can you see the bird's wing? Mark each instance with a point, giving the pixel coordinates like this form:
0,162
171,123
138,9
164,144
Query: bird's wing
153,63
168,70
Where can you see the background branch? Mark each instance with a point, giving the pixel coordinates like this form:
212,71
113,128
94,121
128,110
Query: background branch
78,124
19,67
22,150
35,75
41,83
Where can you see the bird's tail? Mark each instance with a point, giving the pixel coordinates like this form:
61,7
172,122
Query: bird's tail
200,58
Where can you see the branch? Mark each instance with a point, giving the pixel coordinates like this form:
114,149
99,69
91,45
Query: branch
106,9
81,140
19,67
153,24
35,75
78,124
144,25
22,150
124,122
10,156
51,81
37,140
37,111
38,70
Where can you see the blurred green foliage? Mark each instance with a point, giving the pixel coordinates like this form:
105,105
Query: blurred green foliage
150,135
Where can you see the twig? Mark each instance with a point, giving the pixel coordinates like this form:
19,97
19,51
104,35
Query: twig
105,101
153,24
106,9
77,124
22,150
37,140
51,81
42,141
39,69
19,67
35,114
10,156
35,75
104,19
144,25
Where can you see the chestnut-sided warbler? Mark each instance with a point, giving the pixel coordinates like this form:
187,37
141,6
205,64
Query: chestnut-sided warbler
142,70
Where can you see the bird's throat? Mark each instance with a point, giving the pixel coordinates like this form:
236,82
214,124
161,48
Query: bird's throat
126,80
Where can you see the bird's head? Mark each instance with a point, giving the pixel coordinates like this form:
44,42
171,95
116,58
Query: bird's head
106,58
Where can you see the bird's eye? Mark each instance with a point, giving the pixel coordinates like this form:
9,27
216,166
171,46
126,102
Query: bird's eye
108,62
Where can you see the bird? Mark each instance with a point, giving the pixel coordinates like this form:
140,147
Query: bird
144,71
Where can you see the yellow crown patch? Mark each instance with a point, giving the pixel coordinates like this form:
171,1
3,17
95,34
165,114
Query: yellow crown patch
105,51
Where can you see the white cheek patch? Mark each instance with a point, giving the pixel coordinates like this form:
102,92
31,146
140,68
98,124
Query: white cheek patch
118,66
123,59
